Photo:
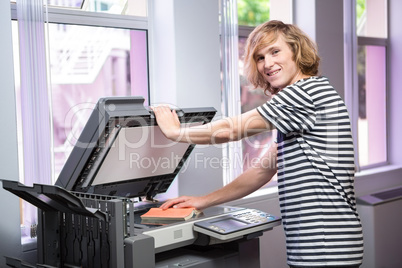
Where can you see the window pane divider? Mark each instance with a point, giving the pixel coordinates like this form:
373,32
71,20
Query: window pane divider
371,41
230,84
244,31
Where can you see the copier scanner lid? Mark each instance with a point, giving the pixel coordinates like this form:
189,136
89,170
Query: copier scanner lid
122,152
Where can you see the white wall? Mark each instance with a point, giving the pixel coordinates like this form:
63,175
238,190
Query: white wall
10,235
185,72
322,20
185,60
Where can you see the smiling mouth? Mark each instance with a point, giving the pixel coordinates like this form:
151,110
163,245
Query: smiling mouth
273,73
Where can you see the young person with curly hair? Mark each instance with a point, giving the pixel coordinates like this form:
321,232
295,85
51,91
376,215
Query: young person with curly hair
313,155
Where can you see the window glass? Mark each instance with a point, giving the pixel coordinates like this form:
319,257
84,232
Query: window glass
371,18
371,30
252,12
87,63
250,98
372,105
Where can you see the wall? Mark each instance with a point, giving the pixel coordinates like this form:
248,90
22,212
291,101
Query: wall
322,20
9,204
185,72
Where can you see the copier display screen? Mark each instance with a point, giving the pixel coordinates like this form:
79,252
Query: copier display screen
229,222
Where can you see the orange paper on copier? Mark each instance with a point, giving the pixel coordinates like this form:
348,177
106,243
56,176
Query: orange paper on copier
170,214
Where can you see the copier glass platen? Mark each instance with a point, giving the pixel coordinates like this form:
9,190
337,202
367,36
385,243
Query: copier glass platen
91,217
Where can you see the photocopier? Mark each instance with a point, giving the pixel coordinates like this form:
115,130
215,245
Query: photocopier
91,217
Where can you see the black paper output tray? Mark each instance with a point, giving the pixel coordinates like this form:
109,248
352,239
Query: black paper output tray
52,198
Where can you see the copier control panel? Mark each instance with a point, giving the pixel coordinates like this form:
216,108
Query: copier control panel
237,223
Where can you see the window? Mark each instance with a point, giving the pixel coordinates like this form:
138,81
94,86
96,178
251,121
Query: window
239,96
87,63
90,55
371,28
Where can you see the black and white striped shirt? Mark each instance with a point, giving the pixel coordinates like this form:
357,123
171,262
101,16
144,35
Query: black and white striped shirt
315,174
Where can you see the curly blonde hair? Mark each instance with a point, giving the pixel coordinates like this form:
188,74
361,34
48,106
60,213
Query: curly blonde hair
305,52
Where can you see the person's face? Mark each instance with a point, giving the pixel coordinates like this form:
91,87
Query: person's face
275,63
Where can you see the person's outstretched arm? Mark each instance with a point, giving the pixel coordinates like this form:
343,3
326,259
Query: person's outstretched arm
219,131
249,181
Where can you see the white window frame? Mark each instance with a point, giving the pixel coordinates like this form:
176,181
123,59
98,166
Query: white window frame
381,42
230,85
87,18
352,41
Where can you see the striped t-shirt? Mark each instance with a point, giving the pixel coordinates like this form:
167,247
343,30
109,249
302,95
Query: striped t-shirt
316,174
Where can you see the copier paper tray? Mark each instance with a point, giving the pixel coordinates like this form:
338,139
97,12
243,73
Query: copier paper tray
75,228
